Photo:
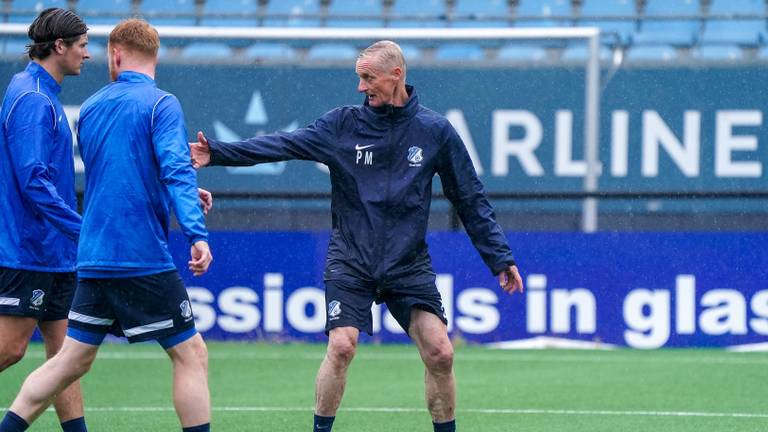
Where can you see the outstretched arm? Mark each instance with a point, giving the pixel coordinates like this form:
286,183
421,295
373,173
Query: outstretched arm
313,142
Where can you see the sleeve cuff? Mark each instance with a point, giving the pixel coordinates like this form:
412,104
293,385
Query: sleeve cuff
503,266
198,238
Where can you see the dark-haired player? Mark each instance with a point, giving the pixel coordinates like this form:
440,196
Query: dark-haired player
137,168
39,226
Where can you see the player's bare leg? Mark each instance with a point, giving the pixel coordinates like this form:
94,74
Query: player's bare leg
69,403
190,381
14,337
332,376
41,386
431,337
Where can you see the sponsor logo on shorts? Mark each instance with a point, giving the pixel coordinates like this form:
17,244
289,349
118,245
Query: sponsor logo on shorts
186,310
37,299
334,309
415,156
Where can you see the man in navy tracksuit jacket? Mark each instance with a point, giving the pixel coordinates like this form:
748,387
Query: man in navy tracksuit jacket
39,226
382,158
137,167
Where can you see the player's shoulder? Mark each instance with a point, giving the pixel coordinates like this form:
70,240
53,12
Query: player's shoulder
23,95
436,123
342,112
161,96
426,115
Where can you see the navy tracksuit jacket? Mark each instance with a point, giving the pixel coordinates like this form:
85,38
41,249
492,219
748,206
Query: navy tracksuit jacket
382,161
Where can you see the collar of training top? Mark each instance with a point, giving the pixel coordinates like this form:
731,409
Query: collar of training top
46,80
131,76
389,110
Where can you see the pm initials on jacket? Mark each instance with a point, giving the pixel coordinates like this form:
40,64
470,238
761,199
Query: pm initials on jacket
362,154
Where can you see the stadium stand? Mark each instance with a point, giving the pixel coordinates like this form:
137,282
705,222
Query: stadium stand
426,13
648,30
544,13
233,13
355,13
169,12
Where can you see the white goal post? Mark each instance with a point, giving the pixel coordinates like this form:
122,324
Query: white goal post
591,81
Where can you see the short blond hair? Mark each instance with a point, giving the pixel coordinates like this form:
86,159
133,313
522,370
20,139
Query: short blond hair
136,35
388,53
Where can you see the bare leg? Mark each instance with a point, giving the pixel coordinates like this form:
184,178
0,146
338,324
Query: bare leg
14,337
190,382
431,337
41,386
69,403
332,376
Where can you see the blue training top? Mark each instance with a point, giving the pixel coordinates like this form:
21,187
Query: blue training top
39,226
137,164
382,161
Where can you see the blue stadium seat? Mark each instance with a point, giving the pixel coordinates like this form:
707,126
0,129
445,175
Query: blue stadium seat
741,31
425,13
206,51
544,10
718,53
293,13
521,52
680,32
579,52
172,12
651,53
737,7
104,12
239,13
355,13
25,11
332,51
610,8
480,13
270,51
459,52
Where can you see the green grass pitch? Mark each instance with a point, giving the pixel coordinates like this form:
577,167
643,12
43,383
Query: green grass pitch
266,387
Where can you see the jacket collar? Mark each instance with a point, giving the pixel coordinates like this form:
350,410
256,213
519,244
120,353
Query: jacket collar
44,79
134,77
395,113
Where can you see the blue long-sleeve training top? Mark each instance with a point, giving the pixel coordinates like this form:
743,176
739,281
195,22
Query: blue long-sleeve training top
382,162
39,226
137,165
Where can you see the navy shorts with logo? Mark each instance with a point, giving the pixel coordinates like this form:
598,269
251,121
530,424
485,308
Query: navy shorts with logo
348,304
140,308
43,296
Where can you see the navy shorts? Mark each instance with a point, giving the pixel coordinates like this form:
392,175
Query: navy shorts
140,308
43,296
348,304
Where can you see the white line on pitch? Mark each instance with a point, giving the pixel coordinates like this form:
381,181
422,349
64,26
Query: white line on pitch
728,359
518,411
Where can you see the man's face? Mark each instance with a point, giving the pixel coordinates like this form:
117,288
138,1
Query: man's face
75,55
378,83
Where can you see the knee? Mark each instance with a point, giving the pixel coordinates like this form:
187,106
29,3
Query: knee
193,355
439,359
80,362
11,355
342,350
